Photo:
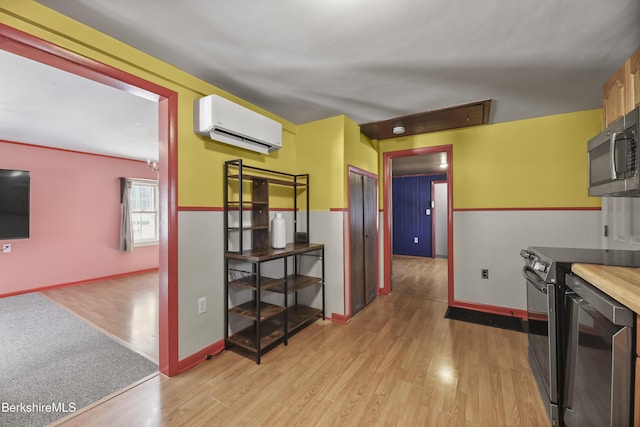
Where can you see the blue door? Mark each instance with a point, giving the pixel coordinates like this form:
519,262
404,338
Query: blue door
411,198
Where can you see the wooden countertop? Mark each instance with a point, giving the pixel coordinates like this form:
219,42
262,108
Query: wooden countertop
620,283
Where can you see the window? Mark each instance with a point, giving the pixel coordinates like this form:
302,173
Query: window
144,212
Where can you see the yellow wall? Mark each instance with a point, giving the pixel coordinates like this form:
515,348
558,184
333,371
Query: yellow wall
320,153
200,161
540,162
530,163
359,151
325,149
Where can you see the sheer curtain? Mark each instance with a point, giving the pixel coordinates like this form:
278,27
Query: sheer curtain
126,232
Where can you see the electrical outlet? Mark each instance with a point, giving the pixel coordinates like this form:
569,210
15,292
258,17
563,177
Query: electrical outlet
485,273
6,248
415,240
202,305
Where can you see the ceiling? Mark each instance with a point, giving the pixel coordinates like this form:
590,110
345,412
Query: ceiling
427,164
50,107
374,59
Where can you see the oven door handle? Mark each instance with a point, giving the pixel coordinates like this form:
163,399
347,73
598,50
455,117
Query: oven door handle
532,277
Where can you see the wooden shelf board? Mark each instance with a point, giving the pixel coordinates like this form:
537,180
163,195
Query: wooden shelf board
249,282
300,316
257,227
296,283
272,329
270,253
247,202
249,177
248,309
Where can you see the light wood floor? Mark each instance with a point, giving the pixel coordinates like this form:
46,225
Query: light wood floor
422,277
125,308
399,362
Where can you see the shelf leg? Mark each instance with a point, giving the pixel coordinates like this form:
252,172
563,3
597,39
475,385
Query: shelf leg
322,254
257,270
286,303
226,302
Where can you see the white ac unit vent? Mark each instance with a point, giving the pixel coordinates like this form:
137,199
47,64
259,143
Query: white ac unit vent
225,121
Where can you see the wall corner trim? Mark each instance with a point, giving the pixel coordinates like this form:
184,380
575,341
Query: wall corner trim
340,318
201,356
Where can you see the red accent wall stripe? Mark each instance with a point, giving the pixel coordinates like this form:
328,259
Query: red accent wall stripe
493,309
44,147
221,209
586,208
569,208
200,209
199,357
341,319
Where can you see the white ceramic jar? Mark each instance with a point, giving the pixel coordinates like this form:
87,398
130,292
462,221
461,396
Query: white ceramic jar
278,233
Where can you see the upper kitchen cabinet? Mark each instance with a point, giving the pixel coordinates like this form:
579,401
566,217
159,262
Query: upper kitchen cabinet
613,97
621,93
632,84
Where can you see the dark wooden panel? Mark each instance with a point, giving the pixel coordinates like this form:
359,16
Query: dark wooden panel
259,190
473,114
370,202
270,253
296,283
272,329
249,282
356,241
259,214
248,309
272,180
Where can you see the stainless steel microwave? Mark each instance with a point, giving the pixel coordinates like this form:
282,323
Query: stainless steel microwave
613,159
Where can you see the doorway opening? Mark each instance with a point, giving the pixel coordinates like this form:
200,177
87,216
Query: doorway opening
29,46
419,177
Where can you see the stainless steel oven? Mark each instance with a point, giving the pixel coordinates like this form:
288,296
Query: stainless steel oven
543,348
599,358
544,278
545,272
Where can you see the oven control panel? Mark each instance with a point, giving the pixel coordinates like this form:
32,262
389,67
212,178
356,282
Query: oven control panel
532,260
542,267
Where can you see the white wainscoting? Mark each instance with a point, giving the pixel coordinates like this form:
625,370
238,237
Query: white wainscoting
621,215
493,240
200,274
201,266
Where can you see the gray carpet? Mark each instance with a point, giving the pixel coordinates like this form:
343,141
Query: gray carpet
51,362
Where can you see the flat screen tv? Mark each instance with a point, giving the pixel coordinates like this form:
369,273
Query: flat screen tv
14,204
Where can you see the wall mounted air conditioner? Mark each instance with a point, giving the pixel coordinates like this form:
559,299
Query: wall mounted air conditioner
225,121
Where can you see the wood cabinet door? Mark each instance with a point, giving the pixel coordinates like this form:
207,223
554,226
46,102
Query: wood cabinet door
613,93
632,83
370,205
356,241
363,224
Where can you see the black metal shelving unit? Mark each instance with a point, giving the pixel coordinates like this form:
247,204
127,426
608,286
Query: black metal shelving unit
271,324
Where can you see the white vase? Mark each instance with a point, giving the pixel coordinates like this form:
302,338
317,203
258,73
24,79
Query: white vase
278,234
